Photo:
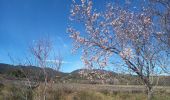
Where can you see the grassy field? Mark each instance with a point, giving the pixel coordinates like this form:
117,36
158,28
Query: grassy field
81,92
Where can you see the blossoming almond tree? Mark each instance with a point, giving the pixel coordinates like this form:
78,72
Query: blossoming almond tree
119,31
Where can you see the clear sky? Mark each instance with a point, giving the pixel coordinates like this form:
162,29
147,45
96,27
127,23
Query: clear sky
22,21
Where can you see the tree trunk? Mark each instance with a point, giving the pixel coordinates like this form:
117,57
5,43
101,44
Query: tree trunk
149,93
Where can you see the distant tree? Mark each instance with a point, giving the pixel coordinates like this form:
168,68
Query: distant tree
120,32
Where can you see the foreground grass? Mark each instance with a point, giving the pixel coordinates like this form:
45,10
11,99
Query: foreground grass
11,92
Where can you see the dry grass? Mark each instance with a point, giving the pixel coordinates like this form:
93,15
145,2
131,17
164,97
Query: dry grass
80,92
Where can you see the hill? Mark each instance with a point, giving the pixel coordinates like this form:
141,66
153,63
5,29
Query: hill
95,76
32,72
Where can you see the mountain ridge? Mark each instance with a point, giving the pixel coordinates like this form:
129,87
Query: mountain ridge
19,72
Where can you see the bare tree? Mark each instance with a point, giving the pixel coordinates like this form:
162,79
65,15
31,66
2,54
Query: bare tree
27,82
41,50
119,32
57,61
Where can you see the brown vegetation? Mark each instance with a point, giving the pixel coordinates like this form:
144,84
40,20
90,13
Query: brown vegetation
80,92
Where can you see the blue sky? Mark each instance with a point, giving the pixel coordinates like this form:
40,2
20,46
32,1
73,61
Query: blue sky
22,21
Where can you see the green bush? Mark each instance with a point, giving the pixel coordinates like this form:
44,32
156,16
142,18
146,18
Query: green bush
17,73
